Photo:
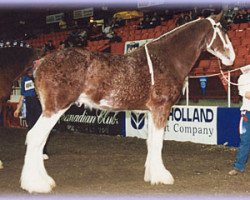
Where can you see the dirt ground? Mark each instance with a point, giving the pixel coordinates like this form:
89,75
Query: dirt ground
84,165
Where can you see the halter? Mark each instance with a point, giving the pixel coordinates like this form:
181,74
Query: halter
216,31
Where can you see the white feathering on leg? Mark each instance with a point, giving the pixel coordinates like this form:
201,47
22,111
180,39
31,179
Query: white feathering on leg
34,177
155,172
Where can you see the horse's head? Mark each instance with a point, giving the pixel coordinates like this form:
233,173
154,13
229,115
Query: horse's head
219,44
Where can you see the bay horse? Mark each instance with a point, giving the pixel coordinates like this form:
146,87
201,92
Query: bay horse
16,57
150,78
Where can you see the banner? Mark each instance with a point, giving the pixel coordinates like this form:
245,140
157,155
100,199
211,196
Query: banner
93,121
203,84
193,124
83,13
54,18
132,45
136,124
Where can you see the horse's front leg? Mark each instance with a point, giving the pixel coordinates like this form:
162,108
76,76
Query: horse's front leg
155,171
34,177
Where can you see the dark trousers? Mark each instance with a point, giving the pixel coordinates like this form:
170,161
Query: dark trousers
33,112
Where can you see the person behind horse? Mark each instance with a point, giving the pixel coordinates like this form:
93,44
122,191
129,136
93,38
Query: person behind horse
109,34
145,23
244,147
155,20
33,106
49,46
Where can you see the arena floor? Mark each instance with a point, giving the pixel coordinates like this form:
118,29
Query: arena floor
86,165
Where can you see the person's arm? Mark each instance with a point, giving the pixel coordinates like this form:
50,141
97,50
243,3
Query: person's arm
243,85
19,107
247,95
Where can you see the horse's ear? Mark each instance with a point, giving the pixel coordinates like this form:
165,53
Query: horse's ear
218,17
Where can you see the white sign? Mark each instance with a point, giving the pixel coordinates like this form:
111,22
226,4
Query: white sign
194,124
186,123
132,45
136,124
149,3
78,14
54,18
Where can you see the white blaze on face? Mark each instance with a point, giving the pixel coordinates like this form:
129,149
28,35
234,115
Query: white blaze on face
228,55
231,52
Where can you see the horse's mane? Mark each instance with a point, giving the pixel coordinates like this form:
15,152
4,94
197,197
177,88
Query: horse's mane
176,31
172,33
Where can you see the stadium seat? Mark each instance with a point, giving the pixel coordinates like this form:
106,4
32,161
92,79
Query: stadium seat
117,48
239,62
243,51
245,41
204,64
248,32
243,26
234,26
214,64
247,58
231,33
235,41
240,33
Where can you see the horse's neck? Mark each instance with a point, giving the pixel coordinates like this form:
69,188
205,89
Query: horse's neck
183,48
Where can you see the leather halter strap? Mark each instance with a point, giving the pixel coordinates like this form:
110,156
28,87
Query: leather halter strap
217,31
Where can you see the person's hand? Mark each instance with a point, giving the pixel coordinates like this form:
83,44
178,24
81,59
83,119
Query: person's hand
16,113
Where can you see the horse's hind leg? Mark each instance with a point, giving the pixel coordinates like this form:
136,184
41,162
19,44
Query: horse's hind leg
34,177
155,171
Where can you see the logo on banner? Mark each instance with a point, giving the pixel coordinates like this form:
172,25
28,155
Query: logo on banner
203,84
137,120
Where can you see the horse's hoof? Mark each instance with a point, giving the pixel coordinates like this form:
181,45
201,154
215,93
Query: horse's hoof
35,187
35,183
51,182
159,176
164,177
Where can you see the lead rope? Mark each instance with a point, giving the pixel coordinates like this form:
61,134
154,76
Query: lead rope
229,82
223,76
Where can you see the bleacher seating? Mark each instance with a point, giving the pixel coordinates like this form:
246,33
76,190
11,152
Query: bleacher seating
55,37
239,35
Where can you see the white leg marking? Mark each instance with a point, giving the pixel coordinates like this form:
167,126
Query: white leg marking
155,172
34,177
